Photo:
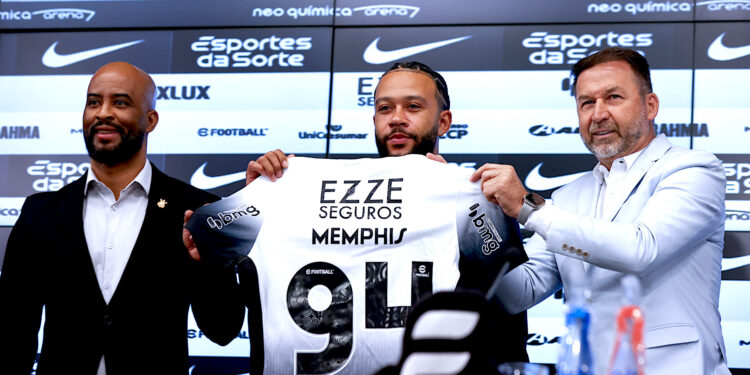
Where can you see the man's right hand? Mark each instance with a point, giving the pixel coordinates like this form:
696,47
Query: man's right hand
271,165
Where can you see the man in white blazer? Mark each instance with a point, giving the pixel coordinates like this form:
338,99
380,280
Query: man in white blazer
648,208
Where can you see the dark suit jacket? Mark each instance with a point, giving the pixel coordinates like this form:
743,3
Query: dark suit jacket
143,330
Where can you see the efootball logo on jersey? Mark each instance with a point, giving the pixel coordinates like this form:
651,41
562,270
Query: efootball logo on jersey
486,229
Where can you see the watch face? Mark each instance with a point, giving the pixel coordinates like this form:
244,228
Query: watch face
535,199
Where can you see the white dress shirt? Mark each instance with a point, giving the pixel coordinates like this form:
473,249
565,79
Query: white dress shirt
540,220
111,228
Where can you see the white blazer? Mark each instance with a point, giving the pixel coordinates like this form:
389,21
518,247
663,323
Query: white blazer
667,227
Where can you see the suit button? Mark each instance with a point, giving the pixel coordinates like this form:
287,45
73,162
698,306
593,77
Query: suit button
565,246
585,255
107,320
572,249
579,251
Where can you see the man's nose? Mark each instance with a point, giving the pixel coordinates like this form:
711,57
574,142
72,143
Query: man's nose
104,112
398,117
601,111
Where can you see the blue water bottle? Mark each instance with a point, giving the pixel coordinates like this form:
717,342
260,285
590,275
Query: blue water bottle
575,352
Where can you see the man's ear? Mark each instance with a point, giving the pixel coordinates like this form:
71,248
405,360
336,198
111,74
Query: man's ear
652,106
153,119
444,122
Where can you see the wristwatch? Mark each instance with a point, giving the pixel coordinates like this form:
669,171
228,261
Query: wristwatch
531,203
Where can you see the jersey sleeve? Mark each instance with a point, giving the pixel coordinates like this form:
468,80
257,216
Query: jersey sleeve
225,231
487,239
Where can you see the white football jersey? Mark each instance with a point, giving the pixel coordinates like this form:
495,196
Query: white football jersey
343,249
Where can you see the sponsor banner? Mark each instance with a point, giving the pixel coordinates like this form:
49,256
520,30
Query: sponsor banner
83,52
546,329
239,132
734,322
723,45
736,262
722,10
20,15
177,13
491,111
442,48
737,342
251,50
218,365
544,47
219,174
737,169
369,12
29,174
242,92
366,13
738,216
720,97
10,209
4,234
64,99
201,346
541,173
541,47
66,95
164,13
49,133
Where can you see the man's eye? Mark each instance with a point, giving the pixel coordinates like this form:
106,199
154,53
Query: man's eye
383,108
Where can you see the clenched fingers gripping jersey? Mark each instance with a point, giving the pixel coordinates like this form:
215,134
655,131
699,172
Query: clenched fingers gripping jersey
343,249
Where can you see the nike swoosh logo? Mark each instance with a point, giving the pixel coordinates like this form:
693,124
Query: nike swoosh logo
535,181
719,52
732,263
374,55
201,181
52,59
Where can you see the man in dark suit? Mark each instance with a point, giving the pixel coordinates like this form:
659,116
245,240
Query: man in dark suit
104,255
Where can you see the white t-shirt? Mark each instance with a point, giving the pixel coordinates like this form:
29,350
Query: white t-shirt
343,248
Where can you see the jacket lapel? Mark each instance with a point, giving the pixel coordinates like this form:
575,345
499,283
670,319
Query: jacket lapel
653,152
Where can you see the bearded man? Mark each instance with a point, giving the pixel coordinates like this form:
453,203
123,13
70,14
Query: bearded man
648,208
104,255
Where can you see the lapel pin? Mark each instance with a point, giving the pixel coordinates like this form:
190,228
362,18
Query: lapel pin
162,203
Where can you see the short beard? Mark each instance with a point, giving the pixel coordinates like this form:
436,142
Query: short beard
425,143
612,149
129,145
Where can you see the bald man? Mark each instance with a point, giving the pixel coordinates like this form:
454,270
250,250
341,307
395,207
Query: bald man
104,255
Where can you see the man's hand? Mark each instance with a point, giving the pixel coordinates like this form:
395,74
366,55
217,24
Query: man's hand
436,158
271,165
500,184
187,238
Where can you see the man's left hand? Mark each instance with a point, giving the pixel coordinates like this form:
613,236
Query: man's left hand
501,185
